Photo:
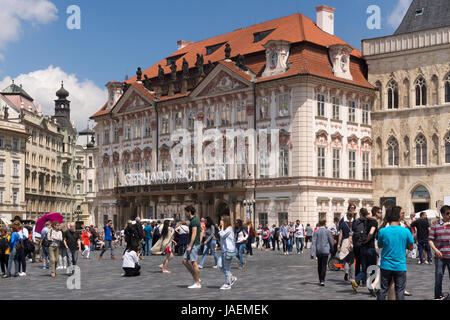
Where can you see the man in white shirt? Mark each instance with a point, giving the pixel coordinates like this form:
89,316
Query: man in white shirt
299,237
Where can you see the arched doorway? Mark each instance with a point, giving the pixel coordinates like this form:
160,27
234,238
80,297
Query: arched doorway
420,199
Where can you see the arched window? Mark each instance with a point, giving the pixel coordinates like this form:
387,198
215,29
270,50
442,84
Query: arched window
447,148
421,92
421,150
447,89
392,95
393,152
420,193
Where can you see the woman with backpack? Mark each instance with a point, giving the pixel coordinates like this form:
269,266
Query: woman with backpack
4,250
228,251
241,236
165,245
21,249
210,242
183,237
14,244
55,237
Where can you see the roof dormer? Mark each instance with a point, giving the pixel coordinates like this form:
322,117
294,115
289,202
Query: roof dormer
277,55
340,58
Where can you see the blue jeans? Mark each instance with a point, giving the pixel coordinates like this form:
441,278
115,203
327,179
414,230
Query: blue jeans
226,267
148,246
441,264
299,244
423,244
386,277
13,257
368,258
210,245
108,245
291,244
240,253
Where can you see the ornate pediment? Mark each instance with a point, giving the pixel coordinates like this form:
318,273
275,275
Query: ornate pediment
222,83
132,100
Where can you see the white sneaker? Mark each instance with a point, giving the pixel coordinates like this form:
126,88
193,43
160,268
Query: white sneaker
200,267
195,286
215,267
58,268
22,274
225,287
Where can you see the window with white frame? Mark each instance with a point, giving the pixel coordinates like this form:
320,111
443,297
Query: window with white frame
336,108
178,120
321,161
147,127
264,108
241,114
393,152
15,197
191,120
365,113
165,124
90,185
352,164
90,162
321,105
211,116
283,105
15,172
336,163
263,164
137,128
127,131
116,133
365,165
352,111
16,145
421,91
106,136
78,189
1,195
263,219
226,114
2,167
284,161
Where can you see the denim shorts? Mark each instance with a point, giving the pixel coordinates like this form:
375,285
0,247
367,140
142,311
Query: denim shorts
193,255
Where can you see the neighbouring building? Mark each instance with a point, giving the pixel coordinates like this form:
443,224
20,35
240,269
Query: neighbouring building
411,118
290,76
48,178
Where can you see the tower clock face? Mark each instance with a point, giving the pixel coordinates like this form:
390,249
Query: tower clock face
274,60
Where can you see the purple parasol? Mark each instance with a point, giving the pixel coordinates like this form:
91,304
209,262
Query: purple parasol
40,223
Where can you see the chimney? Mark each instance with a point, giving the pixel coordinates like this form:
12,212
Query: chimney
325,18
182,43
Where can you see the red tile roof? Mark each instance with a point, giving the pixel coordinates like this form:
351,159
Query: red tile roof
308,55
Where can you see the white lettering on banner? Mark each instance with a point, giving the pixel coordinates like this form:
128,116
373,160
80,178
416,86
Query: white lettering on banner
190,174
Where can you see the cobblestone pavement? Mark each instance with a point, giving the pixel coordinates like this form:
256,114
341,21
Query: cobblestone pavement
267,275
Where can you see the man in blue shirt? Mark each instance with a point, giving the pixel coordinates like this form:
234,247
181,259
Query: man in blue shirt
148,239
108,231
393,241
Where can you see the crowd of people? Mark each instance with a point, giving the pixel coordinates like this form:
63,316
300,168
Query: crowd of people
358,241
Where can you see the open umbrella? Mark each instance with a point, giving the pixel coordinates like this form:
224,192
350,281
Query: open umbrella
40,223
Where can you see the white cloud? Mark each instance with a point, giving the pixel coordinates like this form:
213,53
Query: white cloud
86,98
14,12
399,12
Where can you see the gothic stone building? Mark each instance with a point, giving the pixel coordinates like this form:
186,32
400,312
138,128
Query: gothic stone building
290,74
411,120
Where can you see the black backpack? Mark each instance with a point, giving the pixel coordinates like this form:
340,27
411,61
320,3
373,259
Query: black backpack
360,232
4,244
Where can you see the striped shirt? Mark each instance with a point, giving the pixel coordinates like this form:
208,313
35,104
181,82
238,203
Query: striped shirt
440,235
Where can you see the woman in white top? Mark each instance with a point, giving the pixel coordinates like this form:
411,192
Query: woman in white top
228,251
55,238
131,263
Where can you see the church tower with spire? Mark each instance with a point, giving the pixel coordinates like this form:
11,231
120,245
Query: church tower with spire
62,108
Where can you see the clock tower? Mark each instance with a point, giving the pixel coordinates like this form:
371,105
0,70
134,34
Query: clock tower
62,108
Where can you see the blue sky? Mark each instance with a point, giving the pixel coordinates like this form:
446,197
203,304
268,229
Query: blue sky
118,36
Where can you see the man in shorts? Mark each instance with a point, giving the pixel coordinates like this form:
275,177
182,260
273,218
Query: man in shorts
191,255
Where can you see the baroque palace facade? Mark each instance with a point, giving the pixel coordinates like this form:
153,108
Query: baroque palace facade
290,76
411,120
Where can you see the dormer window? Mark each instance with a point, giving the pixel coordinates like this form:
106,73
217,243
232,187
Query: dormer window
277,55
419,12
340,59
258,36
170,60
213,48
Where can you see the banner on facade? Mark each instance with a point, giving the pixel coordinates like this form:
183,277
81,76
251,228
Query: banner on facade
188,175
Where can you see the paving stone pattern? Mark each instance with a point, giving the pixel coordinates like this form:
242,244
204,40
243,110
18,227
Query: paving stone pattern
267,275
